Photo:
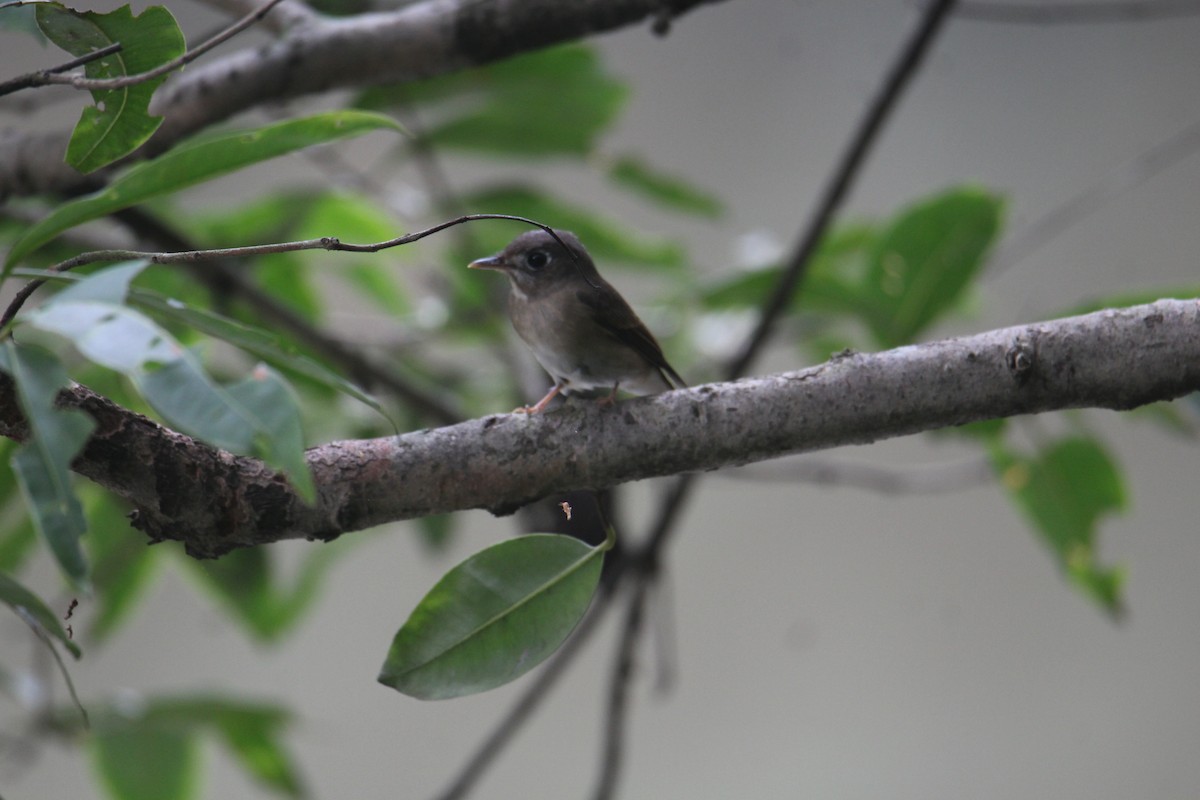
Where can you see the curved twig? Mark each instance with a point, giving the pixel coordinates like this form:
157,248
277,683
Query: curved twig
215,254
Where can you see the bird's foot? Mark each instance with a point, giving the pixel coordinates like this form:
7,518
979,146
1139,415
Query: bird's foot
537,407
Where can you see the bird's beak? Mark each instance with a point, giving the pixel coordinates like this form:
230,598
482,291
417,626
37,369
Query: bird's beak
491,262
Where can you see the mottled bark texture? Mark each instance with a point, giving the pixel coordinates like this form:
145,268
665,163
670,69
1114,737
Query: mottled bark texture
212,501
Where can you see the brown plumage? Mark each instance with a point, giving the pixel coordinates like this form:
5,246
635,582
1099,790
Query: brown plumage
578,326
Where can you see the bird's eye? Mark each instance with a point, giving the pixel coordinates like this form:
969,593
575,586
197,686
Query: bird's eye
537,259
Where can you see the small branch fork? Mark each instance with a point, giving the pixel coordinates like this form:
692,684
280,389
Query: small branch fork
643,564
53,76
845,172
639,570
317,54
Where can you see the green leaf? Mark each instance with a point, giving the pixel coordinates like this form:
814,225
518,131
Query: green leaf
355,219
258,416
252,733
896,280
21,19
266,345
493,617
606,240
189,400
244,581
146,761
122,563
17,541
17,534
270,218
33,611
830,284
167,375
42,464
668,191
926,259
287,277
149,748
111,335
550,103
120,121
1064,492
745,290
197,160
273,406
273,218
437,531
107,285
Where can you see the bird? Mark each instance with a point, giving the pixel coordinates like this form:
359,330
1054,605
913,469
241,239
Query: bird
579,328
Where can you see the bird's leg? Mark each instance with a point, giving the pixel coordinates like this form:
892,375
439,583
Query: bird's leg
611,398
541,404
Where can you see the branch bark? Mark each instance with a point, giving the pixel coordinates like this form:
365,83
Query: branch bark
214,501
422,40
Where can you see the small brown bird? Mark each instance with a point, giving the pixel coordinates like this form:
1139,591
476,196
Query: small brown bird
579,328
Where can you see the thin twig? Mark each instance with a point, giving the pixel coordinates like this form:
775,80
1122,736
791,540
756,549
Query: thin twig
528,702
216,254
363,370
51,77
87,58
618,690
287,13
647,559
951,476
32,79
844,175
1127,175
44,637
1076,13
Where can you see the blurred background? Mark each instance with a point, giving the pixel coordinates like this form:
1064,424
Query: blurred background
827,641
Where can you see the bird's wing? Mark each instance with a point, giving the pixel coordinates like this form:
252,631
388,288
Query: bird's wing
613,314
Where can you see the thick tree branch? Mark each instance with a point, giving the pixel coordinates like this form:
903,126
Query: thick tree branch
214,501
422,40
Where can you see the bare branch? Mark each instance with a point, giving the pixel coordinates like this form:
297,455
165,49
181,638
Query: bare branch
528,702
844,175
951,476
1078,13
222,276
52,76
214,501
422,40
1125,176
221,253
842,179
618,690
41,77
